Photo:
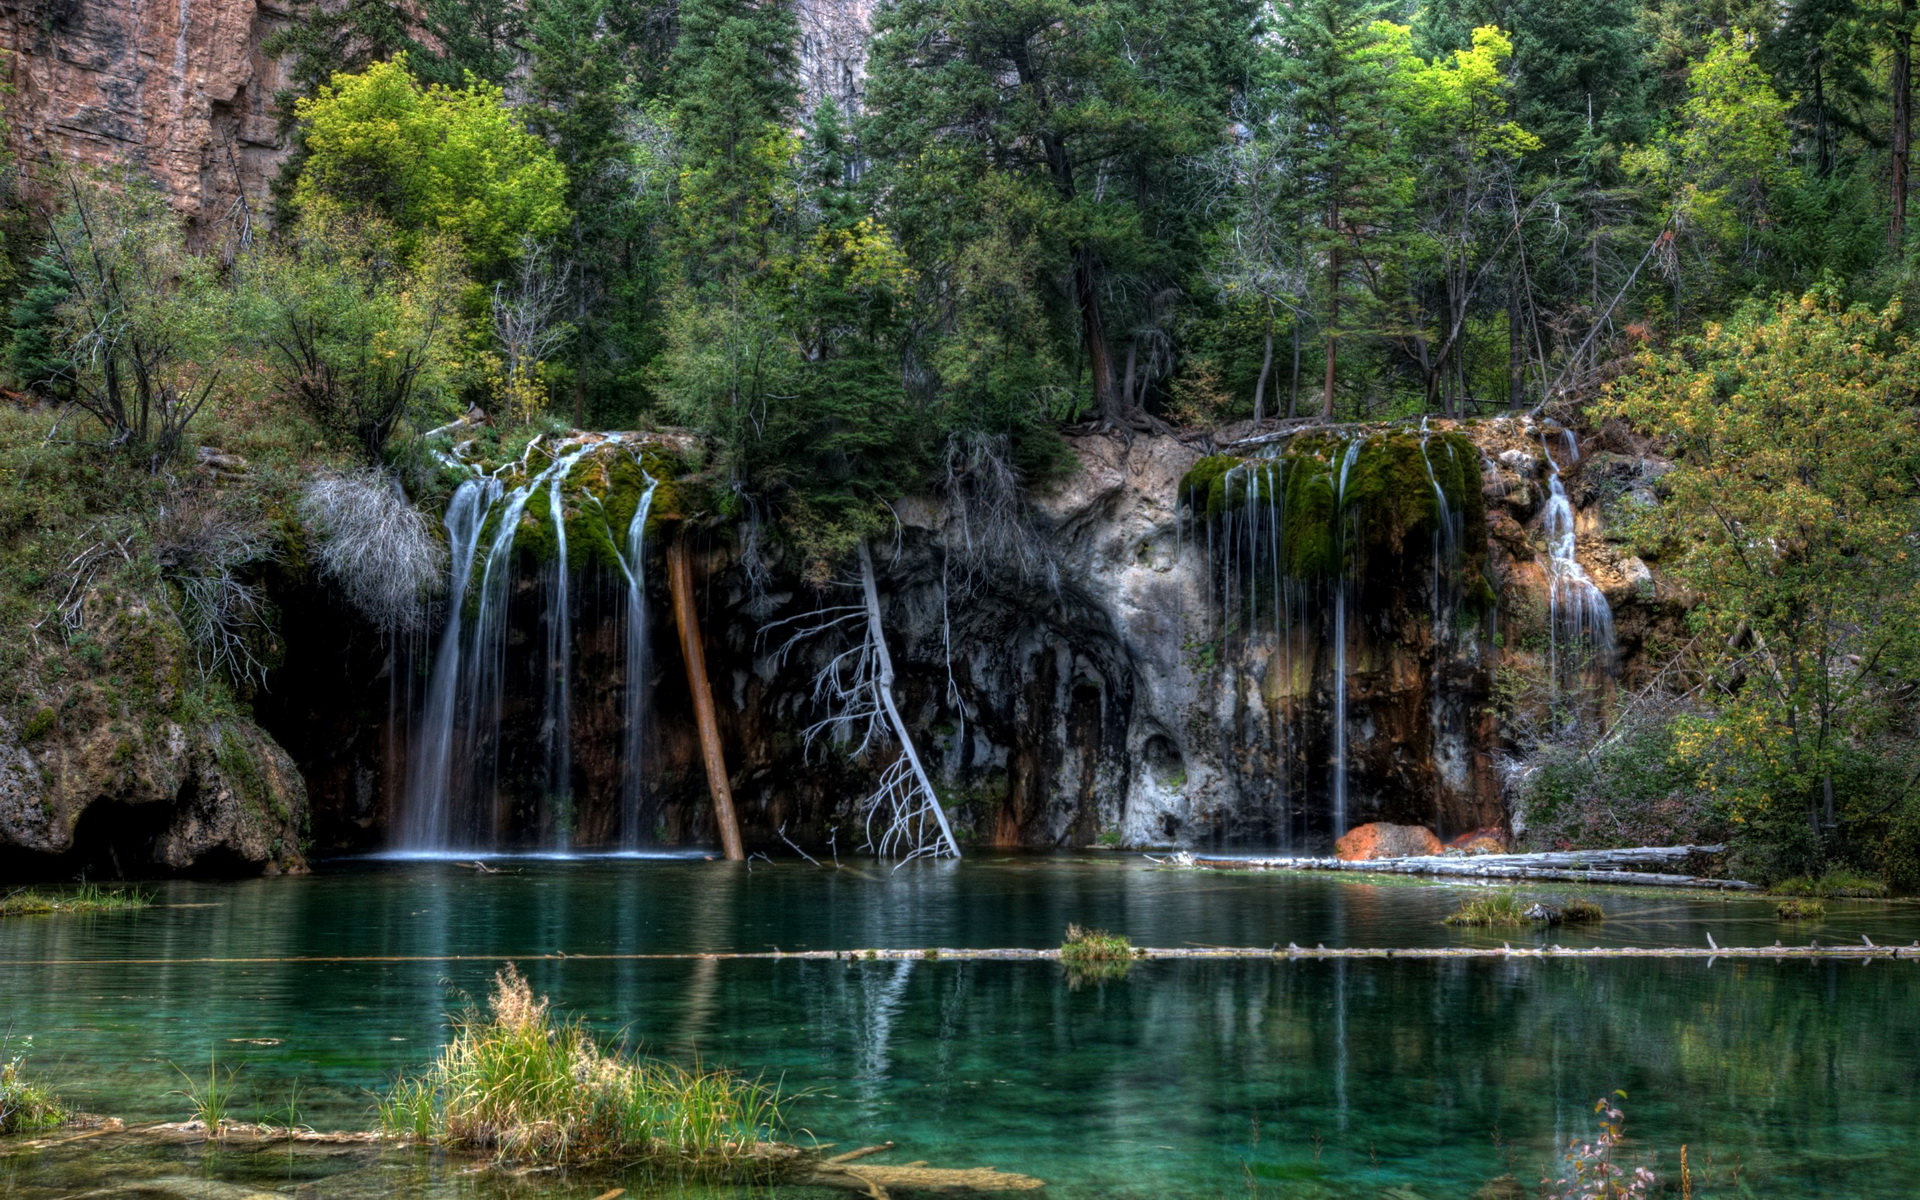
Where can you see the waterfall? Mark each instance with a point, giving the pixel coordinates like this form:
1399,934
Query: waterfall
557,729
1346,522
425,822
453,800
1580,623
1340,589
633,701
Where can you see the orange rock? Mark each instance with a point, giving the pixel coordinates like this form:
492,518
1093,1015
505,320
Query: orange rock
1489,839
1381,840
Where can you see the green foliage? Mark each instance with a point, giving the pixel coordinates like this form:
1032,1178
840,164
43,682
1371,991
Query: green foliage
1834,883
431,162
140,339
359,338
1790,514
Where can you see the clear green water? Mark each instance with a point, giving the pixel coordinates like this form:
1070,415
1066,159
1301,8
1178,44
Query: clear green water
1184,1079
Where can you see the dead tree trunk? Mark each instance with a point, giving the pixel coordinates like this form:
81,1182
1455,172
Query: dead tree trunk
692,648
883,685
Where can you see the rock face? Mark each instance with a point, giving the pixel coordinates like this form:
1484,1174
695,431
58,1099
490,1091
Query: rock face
179,90
1087,684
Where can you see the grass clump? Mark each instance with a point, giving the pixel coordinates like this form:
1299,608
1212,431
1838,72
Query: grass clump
1491,910
1836,883
1094,945
516,1082
1800,908
211,1100
1582,912
88,898
25,1104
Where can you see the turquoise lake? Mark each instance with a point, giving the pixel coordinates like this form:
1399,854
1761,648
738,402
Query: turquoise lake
1207,1079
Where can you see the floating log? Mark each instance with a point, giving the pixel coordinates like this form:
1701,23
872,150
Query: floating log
1028,954
1557,866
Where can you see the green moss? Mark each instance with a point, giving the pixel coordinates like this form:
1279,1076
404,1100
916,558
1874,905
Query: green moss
38,724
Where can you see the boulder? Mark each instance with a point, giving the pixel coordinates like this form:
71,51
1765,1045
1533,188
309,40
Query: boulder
1382,840
1489,839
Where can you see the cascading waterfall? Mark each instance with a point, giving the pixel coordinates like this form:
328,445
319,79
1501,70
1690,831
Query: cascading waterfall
424,823
1306,535
1580,622
453,800
557,729
633,701
1341,586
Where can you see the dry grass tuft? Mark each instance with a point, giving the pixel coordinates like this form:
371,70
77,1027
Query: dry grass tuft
375,546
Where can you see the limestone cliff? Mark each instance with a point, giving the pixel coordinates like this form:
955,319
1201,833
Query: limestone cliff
1094,683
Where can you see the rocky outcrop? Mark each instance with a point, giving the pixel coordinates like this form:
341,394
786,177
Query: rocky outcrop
179,90
1086,684
116,766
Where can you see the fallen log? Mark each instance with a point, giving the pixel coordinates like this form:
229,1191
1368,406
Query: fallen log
1549,867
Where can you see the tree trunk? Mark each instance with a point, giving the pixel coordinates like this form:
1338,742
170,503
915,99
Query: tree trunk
884,685
1516,349
1333,334
680,582
1266,369
1093,325
1902,123
1293,395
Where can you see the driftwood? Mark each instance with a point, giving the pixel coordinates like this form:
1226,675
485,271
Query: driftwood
807,1167
693,650
1558,866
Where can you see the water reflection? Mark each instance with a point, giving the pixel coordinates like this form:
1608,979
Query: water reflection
1180,1079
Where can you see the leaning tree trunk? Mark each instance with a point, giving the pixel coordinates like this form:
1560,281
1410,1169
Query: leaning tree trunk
680,583
1266,369
883,687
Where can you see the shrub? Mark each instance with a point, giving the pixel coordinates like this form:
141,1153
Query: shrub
375,546
205,548
515,1082
24,1104
1797,908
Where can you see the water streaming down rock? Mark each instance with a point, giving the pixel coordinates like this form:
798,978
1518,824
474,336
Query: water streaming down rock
1580,622
424,823
454,799
1341,556
634,697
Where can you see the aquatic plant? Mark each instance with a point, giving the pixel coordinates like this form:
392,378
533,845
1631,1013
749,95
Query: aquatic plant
516,1082
1581,912
1590,1170
24,1103
1492,909
1094,945
212,1100
1800,908
85,899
